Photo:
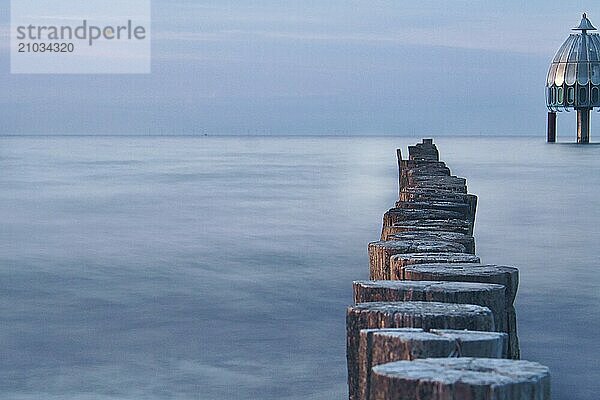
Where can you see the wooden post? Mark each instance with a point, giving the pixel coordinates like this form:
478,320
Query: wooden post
551,127
456,272
399,215
426,151
465,211
583,125
476,343
430,169
382,346
439,183
410,195
399,156
445,225
426,315
435,169
400,261
380,252
425,180
466,240
424,194
460,379
487,295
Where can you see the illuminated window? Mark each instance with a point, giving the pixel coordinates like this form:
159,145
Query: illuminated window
571,95
560,95
583,95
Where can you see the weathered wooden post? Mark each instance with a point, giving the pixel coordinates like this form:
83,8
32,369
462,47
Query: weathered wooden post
399,215
380,252
422,194
382,346
460,379
466,240
506,276
445,225
399,157
487,295
400,261
425,151
463,210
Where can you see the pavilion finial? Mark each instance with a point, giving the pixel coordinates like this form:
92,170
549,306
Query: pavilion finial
585,24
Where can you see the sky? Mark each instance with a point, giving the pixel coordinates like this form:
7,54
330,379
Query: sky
313,68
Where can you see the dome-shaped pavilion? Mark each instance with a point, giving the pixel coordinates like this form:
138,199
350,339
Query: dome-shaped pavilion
574,80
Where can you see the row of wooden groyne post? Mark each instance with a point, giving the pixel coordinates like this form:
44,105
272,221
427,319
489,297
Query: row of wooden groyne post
434,322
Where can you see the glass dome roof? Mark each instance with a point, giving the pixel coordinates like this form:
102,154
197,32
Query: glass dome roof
574,76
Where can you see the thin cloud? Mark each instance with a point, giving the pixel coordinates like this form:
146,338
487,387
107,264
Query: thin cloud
412,37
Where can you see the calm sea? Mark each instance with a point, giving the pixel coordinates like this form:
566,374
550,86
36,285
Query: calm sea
220,268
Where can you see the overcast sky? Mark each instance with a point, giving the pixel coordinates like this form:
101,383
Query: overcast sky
313,67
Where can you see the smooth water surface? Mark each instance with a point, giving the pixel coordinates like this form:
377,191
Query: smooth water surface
220,268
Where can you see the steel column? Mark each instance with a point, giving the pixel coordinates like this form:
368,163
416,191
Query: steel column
551,127
583,125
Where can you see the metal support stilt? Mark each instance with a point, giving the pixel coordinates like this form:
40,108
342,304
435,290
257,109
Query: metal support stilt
583,125
551,127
